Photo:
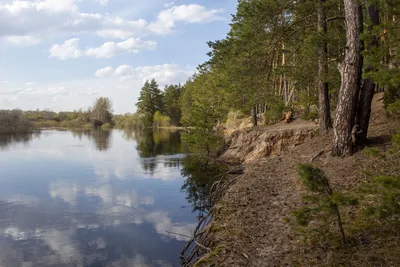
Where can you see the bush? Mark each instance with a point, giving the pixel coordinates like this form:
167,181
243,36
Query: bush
160,120
12,121
392,94
324,203
106,126
273,114
393,110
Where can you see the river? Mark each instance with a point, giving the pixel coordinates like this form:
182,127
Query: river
93,198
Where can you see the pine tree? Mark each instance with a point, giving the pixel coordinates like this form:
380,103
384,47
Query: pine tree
145,104
156,96
150,100
345,129
172,95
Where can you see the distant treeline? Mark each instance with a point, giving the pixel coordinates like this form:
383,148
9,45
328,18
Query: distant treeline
13,121
17,121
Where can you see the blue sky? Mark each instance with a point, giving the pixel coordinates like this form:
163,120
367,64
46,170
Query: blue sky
63,54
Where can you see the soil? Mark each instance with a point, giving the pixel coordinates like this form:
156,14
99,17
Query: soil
249,222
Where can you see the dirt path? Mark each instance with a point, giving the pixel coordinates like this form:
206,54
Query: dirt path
250,227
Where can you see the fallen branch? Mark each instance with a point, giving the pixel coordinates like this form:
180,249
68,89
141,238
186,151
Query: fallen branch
317,155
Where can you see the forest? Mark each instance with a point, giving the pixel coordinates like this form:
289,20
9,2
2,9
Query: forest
318,59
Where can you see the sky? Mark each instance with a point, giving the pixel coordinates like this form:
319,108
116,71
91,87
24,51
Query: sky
63,54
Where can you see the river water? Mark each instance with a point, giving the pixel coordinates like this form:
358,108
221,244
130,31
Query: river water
93,198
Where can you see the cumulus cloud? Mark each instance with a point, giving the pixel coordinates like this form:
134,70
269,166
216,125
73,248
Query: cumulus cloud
194,13
167,73
104,72
24,40
28,22
70,48
110,49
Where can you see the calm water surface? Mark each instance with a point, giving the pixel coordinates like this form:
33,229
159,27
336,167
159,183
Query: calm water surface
92,199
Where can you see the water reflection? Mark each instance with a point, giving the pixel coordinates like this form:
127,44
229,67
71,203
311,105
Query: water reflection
159,142
7,140
100,137
86,198
198,172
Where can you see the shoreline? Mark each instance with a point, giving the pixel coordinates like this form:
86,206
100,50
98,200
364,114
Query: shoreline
250,224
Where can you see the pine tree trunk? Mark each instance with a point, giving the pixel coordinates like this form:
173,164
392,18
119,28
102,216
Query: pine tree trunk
255,116
325,122
343,143
368,88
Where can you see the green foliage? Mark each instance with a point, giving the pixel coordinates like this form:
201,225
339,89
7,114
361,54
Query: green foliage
324,203
172,109
392,95
307,100
393,110
313,178
382,193
203,108
274,110
102,111
396,141
151,100
160,120
385,195
371,151
130,121
13,121
106,126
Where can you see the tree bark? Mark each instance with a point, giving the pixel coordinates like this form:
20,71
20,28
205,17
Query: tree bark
325,122
350,86
255,116
368,87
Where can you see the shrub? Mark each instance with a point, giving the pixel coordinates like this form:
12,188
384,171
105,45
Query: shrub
106,126
12,121
160,120
274,111
324,203
392,94
393,110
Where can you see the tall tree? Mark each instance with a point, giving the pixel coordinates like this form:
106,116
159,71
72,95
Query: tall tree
172,95
325,122
150,100
368,85
144,103
102,110
157,96
345,130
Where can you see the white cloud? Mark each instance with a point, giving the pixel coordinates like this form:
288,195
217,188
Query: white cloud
101,2
29,22
110,49
193,13
125,72
167,73
24,40
104,72
69,49
31,83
